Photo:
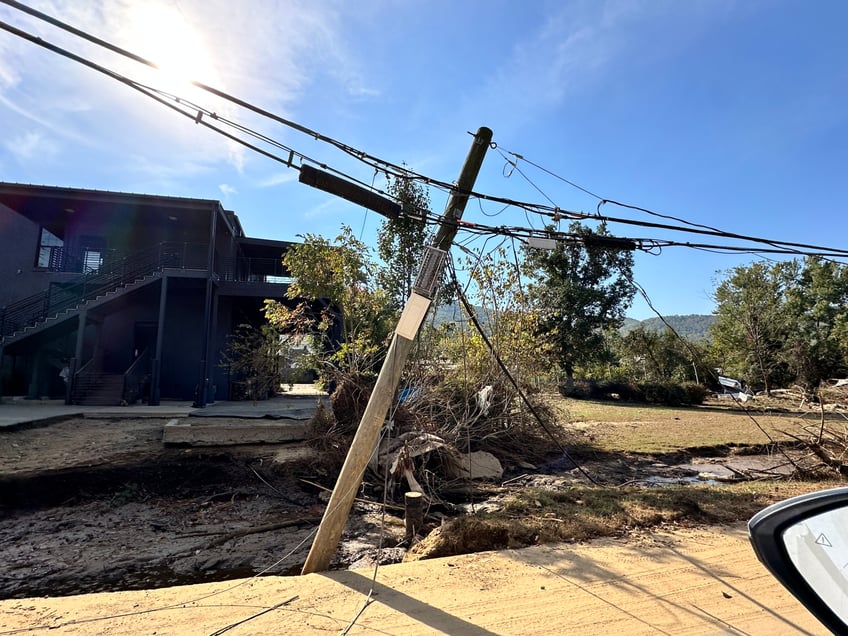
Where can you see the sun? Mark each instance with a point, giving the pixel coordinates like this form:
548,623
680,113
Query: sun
162,35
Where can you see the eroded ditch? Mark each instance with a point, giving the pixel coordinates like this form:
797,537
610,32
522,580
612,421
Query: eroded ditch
146,525
155,518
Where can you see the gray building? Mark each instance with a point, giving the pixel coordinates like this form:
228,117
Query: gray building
110,297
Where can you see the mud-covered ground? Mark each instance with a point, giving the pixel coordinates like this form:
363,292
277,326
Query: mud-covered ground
93,505
89,505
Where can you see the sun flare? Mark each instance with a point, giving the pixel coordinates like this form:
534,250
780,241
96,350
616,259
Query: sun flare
164,36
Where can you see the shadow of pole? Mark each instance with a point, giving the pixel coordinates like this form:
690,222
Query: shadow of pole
433,617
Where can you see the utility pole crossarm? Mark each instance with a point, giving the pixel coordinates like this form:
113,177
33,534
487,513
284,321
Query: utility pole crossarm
367,433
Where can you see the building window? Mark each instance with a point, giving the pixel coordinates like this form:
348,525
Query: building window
92,259
93,251
50,250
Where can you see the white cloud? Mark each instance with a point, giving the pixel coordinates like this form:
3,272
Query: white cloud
266,55
31,145
278,179
324,209
8,76
583,46
355,89
226,189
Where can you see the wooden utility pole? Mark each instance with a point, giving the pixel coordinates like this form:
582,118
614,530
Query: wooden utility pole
365,441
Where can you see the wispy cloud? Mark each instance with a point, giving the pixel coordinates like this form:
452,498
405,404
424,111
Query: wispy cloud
226,189
324,209
266,55
583,46
278,179
31,145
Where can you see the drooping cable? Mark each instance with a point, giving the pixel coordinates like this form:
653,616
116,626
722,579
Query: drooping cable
554,212
361,155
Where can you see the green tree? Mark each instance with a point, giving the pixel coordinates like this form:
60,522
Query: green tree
662,356
653,356
401,241
258,360
815,344
341,277
579,289
751,322
509,319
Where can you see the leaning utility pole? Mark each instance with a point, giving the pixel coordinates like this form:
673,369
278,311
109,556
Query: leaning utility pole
365,441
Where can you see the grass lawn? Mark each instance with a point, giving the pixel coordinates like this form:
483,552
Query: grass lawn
583,512
614,427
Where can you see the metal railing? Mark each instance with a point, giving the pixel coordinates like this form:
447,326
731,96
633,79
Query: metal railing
136,377
80,380
115,272
252,270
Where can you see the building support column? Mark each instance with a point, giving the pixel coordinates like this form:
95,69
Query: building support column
75,362
213,329
156,374
1,373
203,380
36,378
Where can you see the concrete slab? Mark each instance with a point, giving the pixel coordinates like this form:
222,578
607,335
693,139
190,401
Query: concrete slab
227,432
15,412
299,403
280,419
294,405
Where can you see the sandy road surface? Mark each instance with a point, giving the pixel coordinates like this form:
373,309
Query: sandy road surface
704,581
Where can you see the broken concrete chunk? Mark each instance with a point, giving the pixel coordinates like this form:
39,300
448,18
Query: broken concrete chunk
477,465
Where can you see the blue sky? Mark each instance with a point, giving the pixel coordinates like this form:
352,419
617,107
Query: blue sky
726,113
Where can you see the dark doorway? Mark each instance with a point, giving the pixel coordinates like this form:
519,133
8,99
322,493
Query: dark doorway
144,337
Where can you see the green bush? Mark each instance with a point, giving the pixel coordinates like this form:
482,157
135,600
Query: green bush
579,389
697,392
593,390
667,394
671,394
654,393
624,391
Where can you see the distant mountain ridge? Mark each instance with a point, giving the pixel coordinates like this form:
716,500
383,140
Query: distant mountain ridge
695,327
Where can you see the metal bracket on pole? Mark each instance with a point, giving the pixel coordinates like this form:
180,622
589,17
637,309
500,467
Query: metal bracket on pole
431,270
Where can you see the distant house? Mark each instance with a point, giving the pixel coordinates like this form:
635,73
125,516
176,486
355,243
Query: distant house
108,297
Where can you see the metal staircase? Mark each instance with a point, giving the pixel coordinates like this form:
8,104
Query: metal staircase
99,389
116,276
92,386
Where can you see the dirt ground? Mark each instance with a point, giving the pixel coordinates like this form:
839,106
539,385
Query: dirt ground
90,505
704,581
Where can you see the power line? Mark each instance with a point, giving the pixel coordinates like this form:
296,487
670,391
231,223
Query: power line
604,200
552,211
697,227
397,170
201,115
159,96
647,245
563,179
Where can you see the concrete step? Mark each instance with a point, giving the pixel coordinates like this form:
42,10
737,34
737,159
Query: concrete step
213,431
101,389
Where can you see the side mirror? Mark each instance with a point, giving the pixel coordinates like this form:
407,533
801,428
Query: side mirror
803,542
